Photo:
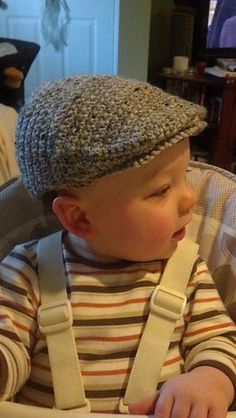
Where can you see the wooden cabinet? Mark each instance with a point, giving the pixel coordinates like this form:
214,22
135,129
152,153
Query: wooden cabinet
12,97
217,144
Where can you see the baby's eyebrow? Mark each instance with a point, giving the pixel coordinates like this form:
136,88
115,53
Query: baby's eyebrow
148,173
161,173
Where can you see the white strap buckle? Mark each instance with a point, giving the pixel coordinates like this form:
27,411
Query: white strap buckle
167,303
55,316
81,408
123,408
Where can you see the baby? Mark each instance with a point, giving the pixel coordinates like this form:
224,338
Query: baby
112,155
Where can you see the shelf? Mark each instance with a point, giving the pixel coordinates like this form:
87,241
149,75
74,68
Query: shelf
205,79
218,95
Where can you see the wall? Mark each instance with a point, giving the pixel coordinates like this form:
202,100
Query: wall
159,35
104,37
134,38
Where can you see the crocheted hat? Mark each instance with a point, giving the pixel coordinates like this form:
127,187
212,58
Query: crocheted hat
78,129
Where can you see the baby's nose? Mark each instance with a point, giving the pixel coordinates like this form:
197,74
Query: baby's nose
187,200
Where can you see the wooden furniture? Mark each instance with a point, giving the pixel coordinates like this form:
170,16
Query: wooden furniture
219,97
22,60
11,97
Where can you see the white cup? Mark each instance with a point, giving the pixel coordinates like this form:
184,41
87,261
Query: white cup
180,64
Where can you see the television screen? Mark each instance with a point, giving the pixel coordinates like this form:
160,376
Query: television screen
221,32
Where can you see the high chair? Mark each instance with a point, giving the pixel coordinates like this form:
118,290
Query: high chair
213,227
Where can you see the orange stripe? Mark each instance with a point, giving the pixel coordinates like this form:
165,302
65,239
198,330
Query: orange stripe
173,360
17,324
23,309
4,316
34,256
233,361
193,285
212,328
107,411
111,272
202,271
179,328
20,273
31,401
40,366
106,372
9,267
203,300
124,338
21,326
109,305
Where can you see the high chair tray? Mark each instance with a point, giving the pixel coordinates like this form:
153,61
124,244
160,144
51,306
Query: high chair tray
15,410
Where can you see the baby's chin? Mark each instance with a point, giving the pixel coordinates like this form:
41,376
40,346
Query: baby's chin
159,256
137,256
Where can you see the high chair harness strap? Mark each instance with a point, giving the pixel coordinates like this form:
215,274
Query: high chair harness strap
167,305
55,321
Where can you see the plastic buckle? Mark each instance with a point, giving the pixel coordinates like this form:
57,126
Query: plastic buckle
83,408
123,408
55,316
167,303
86,408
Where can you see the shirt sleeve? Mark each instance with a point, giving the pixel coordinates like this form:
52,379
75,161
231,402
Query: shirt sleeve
19,301
210,335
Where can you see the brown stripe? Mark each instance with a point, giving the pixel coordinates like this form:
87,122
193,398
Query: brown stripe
110,305
79,259
39,387
231,336
40,366
206,315
173,344
112,289
24,277
113,393
206,286
18,308
108,356
228,335
209,328
9,334
220,350
12,287
107,411
22,257
111,321
201,286
22,398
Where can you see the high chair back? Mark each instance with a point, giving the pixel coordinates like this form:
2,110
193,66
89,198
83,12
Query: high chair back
213,227
22,218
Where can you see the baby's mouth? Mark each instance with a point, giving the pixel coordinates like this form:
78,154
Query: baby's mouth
179,234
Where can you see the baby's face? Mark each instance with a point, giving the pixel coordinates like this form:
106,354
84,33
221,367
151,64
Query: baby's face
141,214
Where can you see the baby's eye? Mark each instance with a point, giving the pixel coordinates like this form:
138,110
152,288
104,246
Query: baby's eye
161,192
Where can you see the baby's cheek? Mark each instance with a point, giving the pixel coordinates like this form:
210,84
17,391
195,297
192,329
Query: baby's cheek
165,225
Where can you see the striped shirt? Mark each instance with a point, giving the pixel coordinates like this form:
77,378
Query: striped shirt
110,304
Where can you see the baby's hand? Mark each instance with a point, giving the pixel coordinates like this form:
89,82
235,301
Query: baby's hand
205,392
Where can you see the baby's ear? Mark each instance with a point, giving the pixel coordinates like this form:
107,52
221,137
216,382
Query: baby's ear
71,215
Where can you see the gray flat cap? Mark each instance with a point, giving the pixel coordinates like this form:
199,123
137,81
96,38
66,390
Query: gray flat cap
78,129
